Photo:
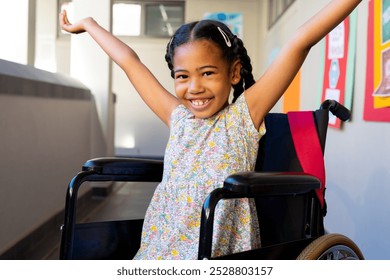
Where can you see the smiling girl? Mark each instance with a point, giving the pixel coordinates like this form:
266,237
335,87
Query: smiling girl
210,139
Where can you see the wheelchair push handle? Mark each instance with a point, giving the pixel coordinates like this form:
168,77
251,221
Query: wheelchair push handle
337,109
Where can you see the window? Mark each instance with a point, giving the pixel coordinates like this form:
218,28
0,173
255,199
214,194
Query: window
140,18
126,19
276,10
147,18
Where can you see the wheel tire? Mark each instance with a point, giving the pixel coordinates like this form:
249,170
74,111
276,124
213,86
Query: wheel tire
331,247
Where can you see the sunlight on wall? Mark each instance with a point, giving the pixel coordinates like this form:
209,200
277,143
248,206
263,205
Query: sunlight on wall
127,142
14,30
126,19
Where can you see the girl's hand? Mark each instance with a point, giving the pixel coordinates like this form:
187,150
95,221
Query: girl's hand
76,28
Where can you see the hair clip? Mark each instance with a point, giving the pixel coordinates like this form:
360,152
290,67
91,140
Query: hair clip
225,37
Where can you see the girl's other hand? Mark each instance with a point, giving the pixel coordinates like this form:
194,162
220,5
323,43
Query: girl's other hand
76,28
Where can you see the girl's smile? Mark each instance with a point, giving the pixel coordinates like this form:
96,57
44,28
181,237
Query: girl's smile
200,103
203,78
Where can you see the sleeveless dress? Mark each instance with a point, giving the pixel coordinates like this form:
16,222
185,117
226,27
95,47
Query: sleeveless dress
200,154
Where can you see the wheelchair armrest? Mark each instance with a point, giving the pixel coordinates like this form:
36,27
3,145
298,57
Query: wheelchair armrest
104,169
152,168
250,184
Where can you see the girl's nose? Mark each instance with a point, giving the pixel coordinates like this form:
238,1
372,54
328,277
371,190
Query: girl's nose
195,86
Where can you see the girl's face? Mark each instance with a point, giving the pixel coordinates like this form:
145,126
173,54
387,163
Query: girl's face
203,78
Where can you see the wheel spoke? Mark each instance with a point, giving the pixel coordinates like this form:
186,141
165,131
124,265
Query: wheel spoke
339,252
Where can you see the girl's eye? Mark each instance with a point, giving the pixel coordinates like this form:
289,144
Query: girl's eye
208,73
181,77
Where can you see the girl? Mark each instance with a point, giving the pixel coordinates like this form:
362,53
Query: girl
209,138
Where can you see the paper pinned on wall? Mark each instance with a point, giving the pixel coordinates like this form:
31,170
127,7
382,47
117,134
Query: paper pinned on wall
232,20
338,49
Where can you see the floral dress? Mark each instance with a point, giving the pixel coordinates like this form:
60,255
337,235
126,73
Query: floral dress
200,154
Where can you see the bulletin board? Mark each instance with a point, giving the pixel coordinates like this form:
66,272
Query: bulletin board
377,91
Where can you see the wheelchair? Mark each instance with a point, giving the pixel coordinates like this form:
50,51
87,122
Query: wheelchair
289,201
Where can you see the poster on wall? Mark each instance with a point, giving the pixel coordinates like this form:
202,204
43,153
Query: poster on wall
338,75
291,97
377,91
232,20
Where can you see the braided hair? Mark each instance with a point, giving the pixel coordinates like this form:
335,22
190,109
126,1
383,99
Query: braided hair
231,46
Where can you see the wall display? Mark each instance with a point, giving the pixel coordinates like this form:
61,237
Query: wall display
339,65
377,91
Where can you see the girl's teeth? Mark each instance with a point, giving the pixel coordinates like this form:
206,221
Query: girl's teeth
199,102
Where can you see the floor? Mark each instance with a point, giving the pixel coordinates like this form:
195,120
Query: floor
126,201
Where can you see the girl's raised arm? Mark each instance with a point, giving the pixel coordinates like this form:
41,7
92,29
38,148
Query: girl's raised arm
263,95
151,91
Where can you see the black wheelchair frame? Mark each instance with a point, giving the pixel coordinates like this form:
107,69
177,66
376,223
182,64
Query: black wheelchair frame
290,215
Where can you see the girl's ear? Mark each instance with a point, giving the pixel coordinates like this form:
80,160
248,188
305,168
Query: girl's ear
235,72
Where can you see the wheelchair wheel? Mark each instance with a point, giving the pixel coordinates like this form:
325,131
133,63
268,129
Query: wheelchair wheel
331,247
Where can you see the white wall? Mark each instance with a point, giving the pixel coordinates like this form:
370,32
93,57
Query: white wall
45,35
14,30
138,131
90,65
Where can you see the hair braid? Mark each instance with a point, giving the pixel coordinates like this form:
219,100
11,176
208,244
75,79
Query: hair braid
168,57
247,79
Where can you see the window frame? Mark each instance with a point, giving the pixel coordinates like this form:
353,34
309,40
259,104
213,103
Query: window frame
276,9
144,23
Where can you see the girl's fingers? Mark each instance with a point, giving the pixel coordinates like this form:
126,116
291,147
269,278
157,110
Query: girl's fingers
64,19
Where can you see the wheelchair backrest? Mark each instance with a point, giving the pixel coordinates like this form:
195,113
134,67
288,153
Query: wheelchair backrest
276,147
284,219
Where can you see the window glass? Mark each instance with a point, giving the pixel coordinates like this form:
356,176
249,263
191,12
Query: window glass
147,18
163,20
